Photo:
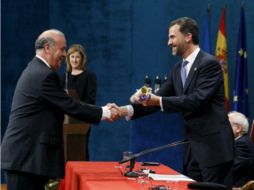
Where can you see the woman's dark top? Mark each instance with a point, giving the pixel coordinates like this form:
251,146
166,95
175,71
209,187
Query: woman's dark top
84,84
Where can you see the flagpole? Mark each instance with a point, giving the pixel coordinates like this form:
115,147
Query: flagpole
242,4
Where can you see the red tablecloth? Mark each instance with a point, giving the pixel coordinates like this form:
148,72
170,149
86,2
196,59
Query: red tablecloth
109,176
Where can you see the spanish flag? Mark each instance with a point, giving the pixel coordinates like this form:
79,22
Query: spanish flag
221,54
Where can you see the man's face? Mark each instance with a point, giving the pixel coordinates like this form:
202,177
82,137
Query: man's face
237,129
177,41
57,52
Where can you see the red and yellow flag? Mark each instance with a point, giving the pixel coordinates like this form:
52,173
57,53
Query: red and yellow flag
221,54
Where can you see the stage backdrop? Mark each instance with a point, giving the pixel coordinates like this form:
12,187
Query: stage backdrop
124,40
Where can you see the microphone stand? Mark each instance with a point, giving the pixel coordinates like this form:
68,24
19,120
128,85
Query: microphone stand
132,158
130,173
66,83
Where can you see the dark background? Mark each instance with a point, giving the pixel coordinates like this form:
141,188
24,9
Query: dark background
124,40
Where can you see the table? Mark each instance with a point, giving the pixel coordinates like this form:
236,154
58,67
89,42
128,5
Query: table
109,176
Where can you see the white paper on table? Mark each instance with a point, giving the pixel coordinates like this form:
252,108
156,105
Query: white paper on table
164,177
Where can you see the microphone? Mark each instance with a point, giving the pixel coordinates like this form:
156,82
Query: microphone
135,156
157,84
147,81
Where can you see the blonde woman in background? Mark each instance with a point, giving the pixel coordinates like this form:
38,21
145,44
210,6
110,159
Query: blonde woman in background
77,77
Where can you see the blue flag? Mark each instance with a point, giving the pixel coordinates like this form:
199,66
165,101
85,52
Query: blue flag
241,75
206,44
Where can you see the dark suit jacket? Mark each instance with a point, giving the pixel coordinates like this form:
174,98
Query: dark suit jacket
202,104
244,161
33,140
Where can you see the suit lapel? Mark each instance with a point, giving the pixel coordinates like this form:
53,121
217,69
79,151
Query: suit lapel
192,71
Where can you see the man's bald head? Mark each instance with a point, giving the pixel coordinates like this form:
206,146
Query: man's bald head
50,46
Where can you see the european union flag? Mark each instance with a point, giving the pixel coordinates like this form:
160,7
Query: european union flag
241,75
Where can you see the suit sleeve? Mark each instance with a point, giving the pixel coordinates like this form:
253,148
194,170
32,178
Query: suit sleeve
54,96
207,83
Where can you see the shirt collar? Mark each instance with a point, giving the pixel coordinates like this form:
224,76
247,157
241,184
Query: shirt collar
191,58
43,60
238,137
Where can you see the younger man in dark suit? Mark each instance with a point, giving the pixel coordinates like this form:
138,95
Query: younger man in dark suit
195,88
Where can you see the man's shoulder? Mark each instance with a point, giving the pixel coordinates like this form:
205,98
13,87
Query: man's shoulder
36,62
207,60
207,56
38,66
36,71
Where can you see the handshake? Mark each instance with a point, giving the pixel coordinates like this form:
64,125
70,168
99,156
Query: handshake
114,112
143,96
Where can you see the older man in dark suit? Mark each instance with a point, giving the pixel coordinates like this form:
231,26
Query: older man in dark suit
244,159
32,147
195,88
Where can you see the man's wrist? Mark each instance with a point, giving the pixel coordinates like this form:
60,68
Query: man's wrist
127,111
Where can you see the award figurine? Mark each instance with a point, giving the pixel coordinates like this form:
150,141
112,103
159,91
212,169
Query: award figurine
145,93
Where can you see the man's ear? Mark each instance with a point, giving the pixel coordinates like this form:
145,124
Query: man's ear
188,37
46,48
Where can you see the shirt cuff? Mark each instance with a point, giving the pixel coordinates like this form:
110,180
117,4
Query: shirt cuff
106,114
130,112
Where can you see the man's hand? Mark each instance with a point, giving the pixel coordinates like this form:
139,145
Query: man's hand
115,112
154,100
145,97
135,98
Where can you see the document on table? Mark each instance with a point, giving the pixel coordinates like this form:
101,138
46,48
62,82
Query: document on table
164,177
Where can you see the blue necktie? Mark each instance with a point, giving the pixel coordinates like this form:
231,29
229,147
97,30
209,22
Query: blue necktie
183,72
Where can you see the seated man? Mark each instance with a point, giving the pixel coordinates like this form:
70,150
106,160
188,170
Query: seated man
244,158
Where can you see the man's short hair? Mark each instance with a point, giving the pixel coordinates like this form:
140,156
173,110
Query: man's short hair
188,25
41,41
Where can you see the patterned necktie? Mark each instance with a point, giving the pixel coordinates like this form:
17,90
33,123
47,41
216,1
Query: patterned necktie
183,72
